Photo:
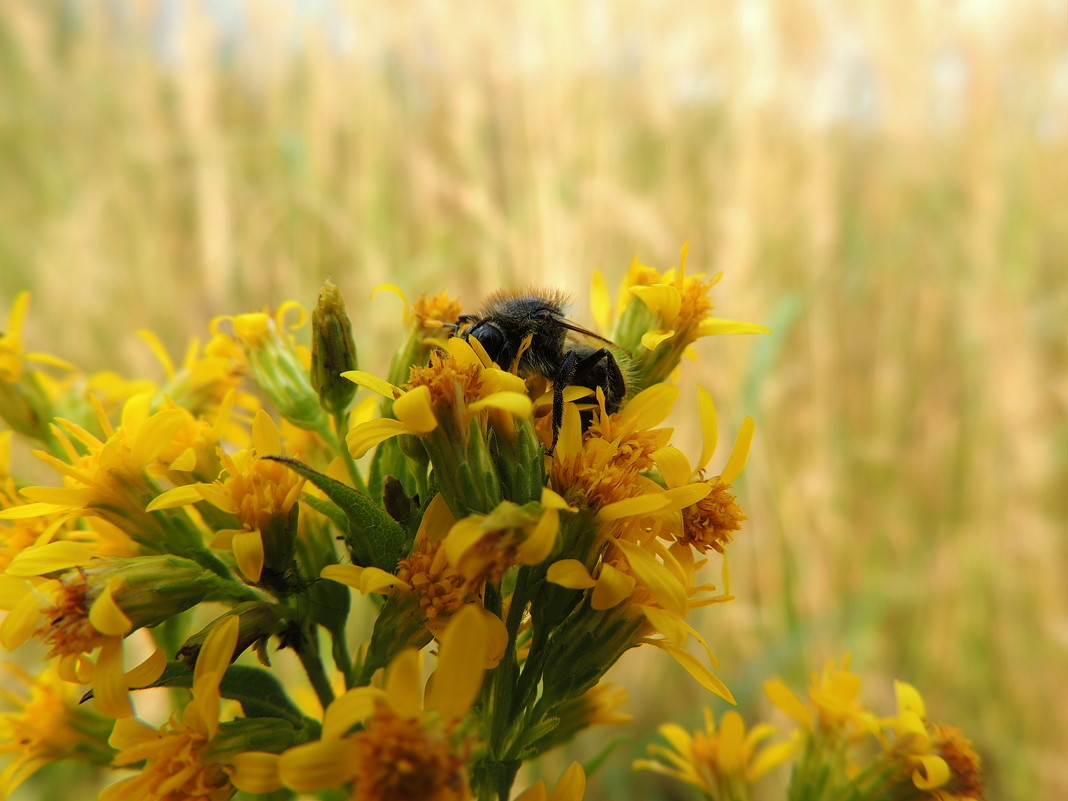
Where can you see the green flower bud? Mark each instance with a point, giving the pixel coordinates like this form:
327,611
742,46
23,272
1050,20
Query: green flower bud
333,351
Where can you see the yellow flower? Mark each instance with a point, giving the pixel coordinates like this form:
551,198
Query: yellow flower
939,760
711,521
457,387
662,314
833,711
723,762
112,479
428,321
259,492
178,757
483,547
47,726
410,746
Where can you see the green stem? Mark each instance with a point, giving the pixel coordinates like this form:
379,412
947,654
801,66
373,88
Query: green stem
308,652
341,426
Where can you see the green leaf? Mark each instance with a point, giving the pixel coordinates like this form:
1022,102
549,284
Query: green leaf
374,538
259,693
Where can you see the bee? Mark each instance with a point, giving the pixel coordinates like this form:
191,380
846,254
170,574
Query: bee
506,321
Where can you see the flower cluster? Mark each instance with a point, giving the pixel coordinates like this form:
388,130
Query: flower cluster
528,535
839,748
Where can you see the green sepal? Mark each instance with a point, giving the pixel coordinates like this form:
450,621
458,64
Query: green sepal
373,537
273,735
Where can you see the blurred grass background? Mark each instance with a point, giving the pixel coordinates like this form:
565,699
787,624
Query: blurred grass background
884,184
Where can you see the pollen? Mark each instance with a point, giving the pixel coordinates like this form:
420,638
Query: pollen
963,762
436,311
400,760
450,382
439,588
68,630
262,489
712,521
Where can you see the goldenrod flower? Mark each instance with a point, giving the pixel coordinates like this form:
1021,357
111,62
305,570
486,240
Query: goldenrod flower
112,478
710,522
834,710
723,762
410,746
260,493
46,726
278,365
428,321
936,761
662,314
179,758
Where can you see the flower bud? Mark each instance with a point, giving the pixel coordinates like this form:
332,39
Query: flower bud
333,351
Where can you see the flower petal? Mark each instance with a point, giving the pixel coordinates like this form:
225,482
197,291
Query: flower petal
179,496
570,573
711,326
347,710
415,410
705,677
38,560
515,403
255,772
651,340
248,553
373,383
673,466
460,664
404,682
364,579
317,766
649,407
613,587
739,453
106,615
662,299
365,436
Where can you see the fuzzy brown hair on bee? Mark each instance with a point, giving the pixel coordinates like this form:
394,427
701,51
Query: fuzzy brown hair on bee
555,350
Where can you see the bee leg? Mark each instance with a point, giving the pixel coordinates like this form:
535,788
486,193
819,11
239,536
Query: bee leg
561,381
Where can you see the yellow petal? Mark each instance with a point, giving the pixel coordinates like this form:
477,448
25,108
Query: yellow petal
347,710
932,773
662,299
460,664
106,615
908,699
148,671
739,453
217,651
265,437
129,732
38,560
364,579
502,381
649,407
613,587
554,500
536,792
317,766
365,436
248,553
711,326
651,340
21,622
783,697
657,579
185,461
373,383
705,677
255,772
709,425
515,403
109,685
437,520
179,496
629,507
536,548
403,683
465,355
572,785
31,510
463,536
570,573
686,495
415,411
673,466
